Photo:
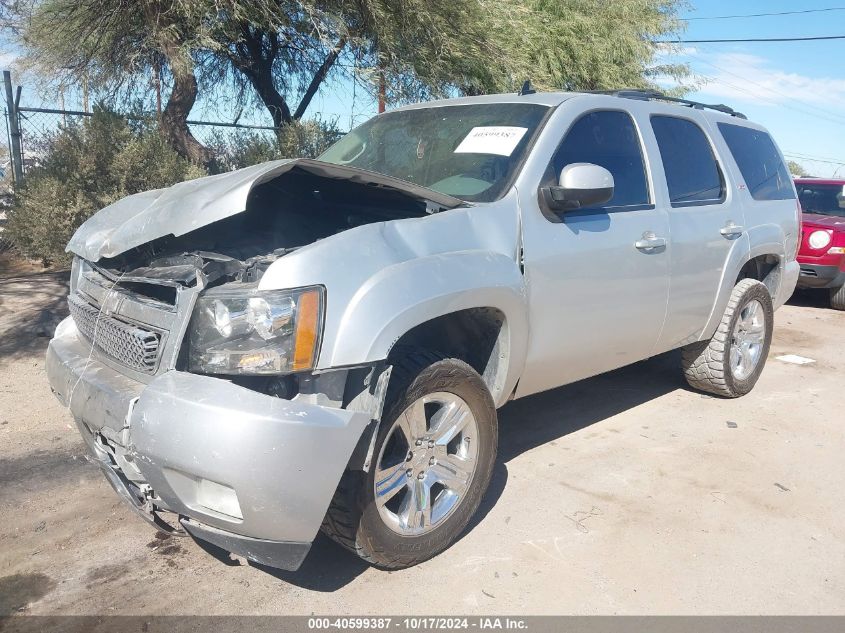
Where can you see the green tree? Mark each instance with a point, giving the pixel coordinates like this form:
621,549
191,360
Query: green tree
286,51
85,167
276,54
588,44
433,48
282,50
119,44
796,169
300,139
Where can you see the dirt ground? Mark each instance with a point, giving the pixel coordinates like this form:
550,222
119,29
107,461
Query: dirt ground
622,494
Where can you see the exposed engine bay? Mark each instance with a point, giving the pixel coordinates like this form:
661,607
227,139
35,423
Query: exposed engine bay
293,210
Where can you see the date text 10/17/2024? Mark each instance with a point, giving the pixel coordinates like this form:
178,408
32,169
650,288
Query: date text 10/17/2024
418,623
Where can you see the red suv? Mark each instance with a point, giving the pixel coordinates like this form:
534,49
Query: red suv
822,253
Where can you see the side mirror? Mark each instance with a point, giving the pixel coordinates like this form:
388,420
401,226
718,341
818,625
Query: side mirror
582,185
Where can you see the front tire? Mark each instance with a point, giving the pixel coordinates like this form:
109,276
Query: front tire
837,298
731,361
432,462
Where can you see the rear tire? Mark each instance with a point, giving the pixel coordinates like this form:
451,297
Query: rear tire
383,536
837,298
731,361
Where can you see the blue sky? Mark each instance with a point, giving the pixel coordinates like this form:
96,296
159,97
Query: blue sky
796,89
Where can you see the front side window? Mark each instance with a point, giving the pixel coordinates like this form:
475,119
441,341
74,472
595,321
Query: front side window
822,199
692,174
608,138
759,161
471,152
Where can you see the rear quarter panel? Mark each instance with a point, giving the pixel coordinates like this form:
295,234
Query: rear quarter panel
771,228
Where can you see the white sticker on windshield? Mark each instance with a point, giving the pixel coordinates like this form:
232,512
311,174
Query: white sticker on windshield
494,139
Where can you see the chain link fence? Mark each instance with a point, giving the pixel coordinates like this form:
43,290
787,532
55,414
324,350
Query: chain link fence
231,145
29,133
6,182
39,126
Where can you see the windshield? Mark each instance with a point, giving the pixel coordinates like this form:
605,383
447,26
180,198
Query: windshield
822,199
470,152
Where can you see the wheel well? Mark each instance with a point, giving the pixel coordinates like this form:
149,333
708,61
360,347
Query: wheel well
764,268
477,336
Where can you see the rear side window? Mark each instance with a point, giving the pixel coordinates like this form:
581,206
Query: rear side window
609,139
765,175
692,174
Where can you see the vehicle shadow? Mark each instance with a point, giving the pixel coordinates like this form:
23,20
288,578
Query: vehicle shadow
529,422
523,425
810,298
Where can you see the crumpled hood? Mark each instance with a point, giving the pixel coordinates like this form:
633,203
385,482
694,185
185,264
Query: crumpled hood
186,206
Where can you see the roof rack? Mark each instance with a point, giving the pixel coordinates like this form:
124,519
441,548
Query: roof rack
527,89
654,95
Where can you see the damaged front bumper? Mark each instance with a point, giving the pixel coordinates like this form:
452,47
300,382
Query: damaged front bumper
251,473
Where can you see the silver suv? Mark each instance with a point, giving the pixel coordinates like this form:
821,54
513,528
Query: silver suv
323,344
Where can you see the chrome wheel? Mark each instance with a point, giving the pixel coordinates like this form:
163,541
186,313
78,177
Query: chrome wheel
747,340
426,463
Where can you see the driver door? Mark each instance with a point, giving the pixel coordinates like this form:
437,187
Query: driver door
598,278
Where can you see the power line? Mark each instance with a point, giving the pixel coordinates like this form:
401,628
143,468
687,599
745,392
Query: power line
783,105
815,157
763,15
839,117
814,160
755,39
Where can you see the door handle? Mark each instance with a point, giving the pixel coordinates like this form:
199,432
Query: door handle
649,242
731,230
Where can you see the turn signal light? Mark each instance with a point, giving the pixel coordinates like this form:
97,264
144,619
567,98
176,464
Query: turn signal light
307,330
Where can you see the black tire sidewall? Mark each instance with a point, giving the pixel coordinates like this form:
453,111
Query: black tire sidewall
837,298
761,294
390,549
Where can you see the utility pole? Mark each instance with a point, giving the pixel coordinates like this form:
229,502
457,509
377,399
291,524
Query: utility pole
84,94
14,129
62,103
157,85
382,84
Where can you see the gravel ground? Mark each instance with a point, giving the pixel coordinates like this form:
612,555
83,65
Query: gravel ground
622,494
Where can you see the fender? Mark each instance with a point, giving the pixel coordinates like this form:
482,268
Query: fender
767,239
409,293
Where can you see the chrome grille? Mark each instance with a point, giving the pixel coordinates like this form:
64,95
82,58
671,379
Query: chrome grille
127,343
809,272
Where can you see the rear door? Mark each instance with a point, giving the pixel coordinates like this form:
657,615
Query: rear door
704,219
767,190
598,277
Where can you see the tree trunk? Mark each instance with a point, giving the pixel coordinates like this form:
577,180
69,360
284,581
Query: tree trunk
254,57
319,77
174,118
261,79
259,72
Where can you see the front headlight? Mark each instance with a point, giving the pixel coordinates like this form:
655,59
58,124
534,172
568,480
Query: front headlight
259,332
819,239
78,268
